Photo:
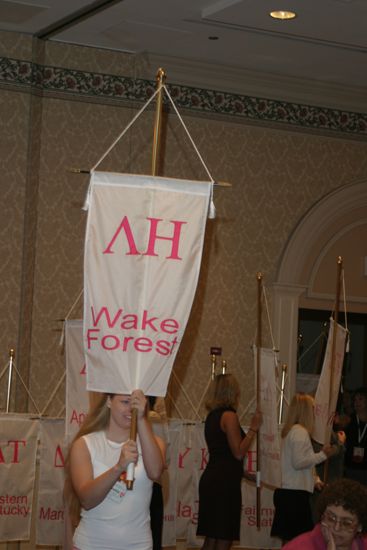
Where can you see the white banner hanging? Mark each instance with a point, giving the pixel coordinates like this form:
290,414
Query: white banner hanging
269,430
18,447
143,252
327,393
50,507
77,397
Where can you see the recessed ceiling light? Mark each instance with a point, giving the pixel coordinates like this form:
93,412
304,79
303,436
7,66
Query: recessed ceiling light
213,37
283,14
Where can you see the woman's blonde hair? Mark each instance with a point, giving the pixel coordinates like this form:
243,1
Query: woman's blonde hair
96,420
224,392
300,412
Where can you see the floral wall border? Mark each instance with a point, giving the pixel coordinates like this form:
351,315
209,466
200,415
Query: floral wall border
48,80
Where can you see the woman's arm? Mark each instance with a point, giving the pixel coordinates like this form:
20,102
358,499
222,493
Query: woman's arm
92,491
303,455
229,423
153,448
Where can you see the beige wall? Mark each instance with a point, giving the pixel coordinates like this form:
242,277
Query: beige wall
277,174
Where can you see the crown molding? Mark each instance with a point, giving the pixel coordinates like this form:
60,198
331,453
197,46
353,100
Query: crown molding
257,84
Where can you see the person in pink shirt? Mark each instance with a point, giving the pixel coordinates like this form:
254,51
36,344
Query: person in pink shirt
342,509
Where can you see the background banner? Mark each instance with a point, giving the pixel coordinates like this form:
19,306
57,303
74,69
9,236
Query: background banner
143,252
326,397
50,506
269,430
18,447
77,397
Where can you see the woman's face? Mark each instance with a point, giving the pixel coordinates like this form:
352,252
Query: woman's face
360,403
120,410
343,525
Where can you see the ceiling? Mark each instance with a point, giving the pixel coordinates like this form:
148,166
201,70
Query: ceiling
323,49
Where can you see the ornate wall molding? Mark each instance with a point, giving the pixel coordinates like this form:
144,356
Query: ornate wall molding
103,88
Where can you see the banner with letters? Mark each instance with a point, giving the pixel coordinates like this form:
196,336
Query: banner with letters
77,397
143,250
18,448
50,506
188,459
269,429
328,387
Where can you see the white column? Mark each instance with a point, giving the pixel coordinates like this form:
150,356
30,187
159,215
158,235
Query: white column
285,327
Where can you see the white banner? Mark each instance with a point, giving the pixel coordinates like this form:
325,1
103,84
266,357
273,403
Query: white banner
77,397
50,508
269,430
326,397
18,447
143,251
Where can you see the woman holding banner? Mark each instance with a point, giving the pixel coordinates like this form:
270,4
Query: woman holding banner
293,514
220,484
113,517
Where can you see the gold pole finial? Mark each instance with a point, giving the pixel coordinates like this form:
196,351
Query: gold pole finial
339,260
259,275
12,353
160,78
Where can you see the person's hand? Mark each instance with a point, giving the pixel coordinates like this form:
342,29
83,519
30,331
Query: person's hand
319,485
138,401
341,437
328,536
128,454
256,421
330,450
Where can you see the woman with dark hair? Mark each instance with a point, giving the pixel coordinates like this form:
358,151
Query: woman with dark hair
342,510
113,517
356,439
220,484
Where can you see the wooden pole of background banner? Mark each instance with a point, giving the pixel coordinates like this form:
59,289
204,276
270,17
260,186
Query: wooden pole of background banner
160,78
333,349
258,359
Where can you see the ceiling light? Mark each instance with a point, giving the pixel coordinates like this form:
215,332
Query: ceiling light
282,14
213,37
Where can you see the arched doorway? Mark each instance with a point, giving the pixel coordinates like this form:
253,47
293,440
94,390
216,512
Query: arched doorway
335,225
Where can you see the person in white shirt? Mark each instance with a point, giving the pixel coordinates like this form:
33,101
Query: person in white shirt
293,514
112,517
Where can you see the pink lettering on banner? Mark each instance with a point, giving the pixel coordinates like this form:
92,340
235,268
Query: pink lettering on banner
124,225
13,445
266,516
181,457
188,511
251,462
103,318
49,514
153,237
14,505
59,460
84,369
204,458
77,418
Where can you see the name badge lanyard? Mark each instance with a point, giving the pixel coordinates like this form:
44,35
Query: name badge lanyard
361,435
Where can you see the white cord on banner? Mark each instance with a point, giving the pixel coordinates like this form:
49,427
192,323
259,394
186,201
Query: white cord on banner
202,397
185,393
26,389
4,370
247,408
62,337
345,311
125,130
212,207
53,394
175,405
268,316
